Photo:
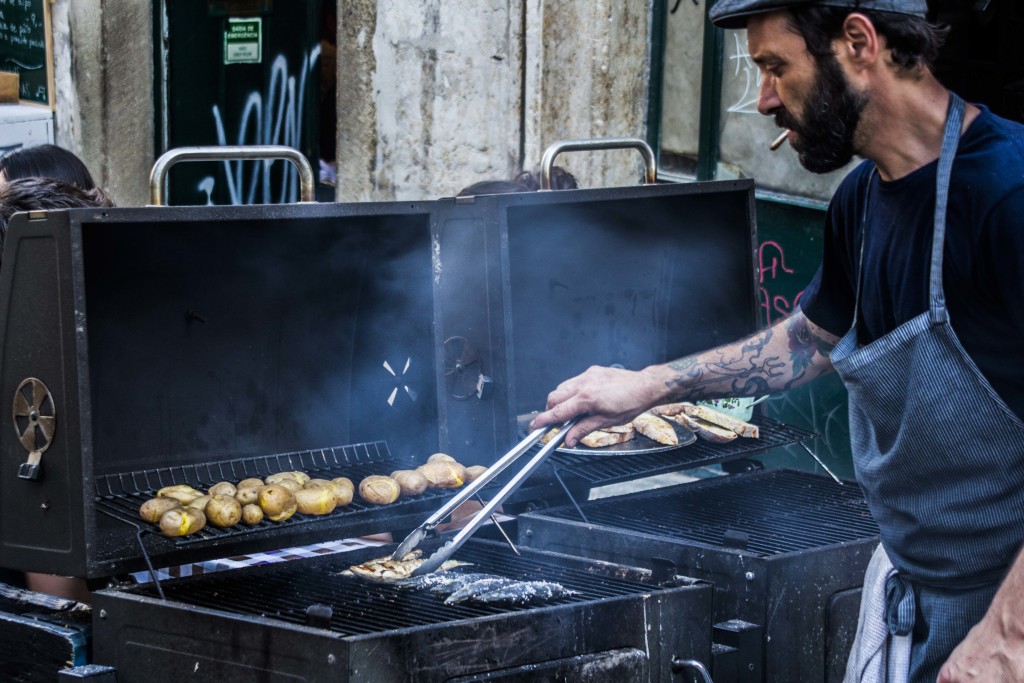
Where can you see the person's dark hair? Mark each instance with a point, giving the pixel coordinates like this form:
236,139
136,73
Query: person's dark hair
46,161
560,179
914,42
40,194
493,187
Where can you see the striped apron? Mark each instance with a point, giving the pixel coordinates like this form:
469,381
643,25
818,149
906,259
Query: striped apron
940,457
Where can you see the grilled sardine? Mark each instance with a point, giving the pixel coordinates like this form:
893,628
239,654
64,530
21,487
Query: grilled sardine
524,593
471,590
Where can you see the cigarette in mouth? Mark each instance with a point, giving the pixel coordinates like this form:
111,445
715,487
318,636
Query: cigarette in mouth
777,142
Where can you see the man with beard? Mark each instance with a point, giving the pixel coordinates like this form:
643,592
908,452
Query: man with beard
916,306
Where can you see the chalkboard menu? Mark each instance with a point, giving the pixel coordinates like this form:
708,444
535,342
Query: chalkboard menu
25,47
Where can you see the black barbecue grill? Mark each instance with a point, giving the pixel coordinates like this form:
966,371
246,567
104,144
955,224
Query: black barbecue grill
156,346
786,551
342,628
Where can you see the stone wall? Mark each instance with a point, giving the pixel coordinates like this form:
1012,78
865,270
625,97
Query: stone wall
103,73
432,94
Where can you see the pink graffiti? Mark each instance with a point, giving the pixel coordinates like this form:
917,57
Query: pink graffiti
776,306
777,262
772,263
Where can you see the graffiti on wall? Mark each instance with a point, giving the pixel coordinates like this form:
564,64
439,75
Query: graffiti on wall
772,266
271,117
745,69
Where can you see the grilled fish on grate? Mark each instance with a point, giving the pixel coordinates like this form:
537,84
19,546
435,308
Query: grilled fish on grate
524,593
470,591
387,570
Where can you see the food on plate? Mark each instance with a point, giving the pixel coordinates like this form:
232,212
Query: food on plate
248,494
686,421
712,432
223,488
252,514
182,522
315,501
443,474
154,508
251,482
474,471
411,482
670,409
278,503
655,428
379,490
720,419
609,436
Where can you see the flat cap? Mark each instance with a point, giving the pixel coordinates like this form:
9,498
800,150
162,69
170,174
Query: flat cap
734,13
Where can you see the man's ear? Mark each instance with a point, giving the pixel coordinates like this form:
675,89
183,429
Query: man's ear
859,44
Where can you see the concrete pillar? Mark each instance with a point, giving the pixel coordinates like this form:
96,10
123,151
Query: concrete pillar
429,96
103,73
587,73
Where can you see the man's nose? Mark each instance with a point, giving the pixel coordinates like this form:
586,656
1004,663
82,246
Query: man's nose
767,98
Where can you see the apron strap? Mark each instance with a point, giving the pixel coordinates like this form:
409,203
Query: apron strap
900,608
950,140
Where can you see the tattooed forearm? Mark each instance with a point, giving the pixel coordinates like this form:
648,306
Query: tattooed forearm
778,358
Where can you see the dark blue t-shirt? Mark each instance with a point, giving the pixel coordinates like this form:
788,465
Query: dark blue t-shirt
983,268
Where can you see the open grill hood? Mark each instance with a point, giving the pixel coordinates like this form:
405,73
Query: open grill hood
183,344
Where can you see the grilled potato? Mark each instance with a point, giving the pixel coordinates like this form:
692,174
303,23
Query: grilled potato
182,493
248,494
379,490
250,483
411,482
278,503
252,514
182,522
441,457
443,474
223,488
315,501
223,511
154,508
474,471
342,493
291,484
198,503
279,477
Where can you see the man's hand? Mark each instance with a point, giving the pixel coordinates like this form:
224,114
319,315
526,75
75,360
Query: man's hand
607,396
988,654
993,650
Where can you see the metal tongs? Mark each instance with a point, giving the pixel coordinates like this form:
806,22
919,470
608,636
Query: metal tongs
448,549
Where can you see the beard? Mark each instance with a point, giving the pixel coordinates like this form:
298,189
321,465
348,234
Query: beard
825,136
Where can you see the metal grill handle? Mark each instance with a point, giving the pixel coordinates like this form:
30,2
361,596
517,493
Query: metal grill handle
158,174
650,165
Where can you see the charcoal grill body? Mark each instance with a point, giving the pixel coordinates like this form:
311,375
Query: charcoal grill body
194,344
249,625
785,550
